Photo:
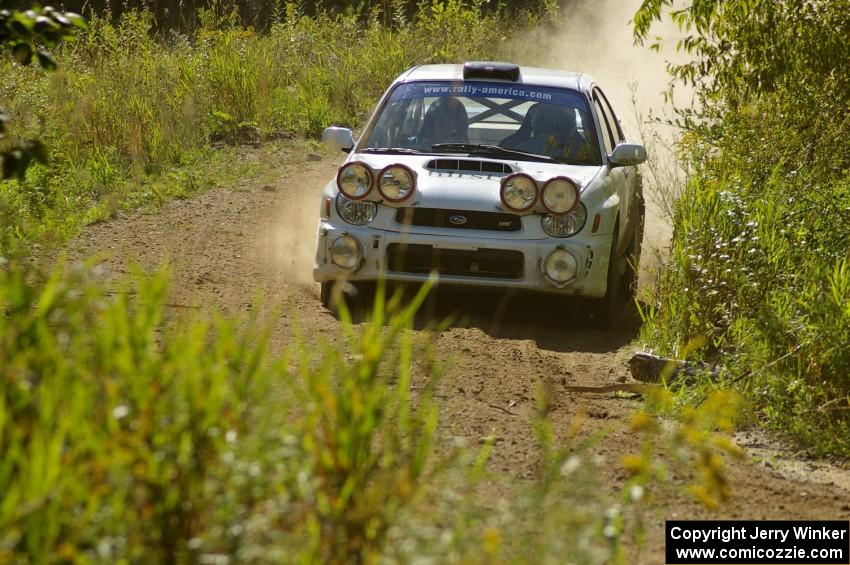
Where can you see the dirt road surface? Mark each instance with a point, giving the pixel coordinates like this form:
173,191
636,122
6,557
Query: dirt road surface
230,244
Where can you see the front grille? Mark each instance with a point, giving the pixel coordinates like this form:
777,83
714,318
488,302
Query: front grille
486,263
459,219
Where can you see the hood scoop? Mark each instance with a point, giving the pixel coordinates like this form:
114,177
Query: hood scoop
468,166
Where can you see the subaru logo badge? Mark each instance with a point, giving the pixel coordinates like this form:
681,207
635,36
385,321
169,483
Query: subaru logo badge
457,220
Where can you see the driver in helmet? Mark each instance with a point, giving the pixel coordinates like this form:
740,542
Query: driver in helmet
446,121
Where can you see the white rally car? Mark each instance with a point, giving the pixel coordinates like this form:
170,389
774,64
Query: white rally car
490,175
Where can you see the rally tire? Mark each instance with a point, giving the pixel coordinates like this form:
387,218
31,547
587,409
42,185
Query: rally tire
325,294
603,311
632,256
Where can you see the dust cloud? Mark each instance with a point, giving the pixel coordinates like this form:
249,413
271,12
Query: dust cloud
288,245
595,37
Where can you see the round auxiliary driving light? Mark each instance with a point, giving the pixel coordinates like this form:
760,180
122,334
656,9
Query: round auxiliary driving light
519,192
346,252
560,266
396,183
559,195
354,180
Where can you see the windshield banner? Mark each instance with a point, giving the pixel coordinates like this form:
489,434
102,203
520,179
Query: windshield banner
557,96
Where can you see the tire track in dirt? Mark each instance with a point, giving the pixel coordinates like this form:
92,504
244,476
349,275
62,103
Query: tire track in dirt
231,244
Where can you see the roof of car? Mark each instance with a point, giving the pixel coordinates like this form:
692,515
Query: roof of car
528,75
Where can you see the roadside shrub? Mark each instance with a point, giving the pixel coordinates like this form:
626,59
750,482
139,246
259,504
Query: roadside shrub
758,265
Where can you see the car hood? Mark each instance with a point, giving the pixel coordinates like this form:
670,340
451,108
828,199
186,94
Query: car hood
452,189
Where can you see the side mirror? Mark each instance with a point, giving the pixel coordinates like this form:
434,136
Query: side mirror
338,138
627,154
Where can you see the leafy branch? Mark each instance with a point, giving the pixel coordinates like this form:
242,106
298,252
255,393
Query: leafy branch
31,34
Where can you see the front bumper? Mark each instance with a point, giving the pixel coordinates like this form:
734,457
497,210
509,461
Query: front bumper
379,246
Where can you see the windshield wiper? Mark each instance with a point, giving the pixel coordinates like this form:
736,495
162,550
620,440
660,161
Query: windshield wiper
492,150
391,150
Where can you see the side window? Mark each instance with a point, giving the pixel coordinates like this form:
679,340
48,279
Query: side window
393,126
607,135
616,130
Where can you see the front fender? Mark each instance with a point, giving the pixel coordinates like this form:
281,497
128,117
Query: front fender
609,212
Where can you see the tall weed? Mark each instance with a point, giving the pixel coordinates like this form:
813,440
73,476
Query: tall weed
112,424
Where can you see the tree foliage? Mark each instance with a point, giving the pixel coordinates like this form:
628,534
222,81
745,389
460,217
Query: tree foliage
742,48
28,34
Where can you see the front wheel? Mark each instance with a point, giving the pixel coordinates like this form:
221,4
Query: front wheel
604,310
632,256
353,297
622,273
325,294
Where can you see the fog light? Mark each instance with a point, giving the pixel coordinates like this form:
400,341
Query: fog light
346,252
560,267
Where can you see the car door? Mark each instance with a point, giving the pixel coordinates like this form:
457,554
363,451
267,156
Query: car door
621,177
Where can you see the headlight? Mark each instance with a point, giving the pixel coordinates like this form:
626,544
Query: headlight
567,225
396,182
346,252
519,193
560,266
356,212
559,195
354,180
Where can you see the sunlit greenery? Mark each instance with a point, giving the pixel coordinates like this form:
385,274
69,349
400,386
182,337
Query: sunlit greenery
28,36
760,271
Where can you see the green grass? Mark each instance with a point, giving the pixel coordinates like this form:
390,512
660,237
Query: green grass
49,206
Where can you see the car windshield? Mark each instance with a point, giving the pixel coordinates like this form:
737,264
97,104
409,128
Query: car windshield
481,117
